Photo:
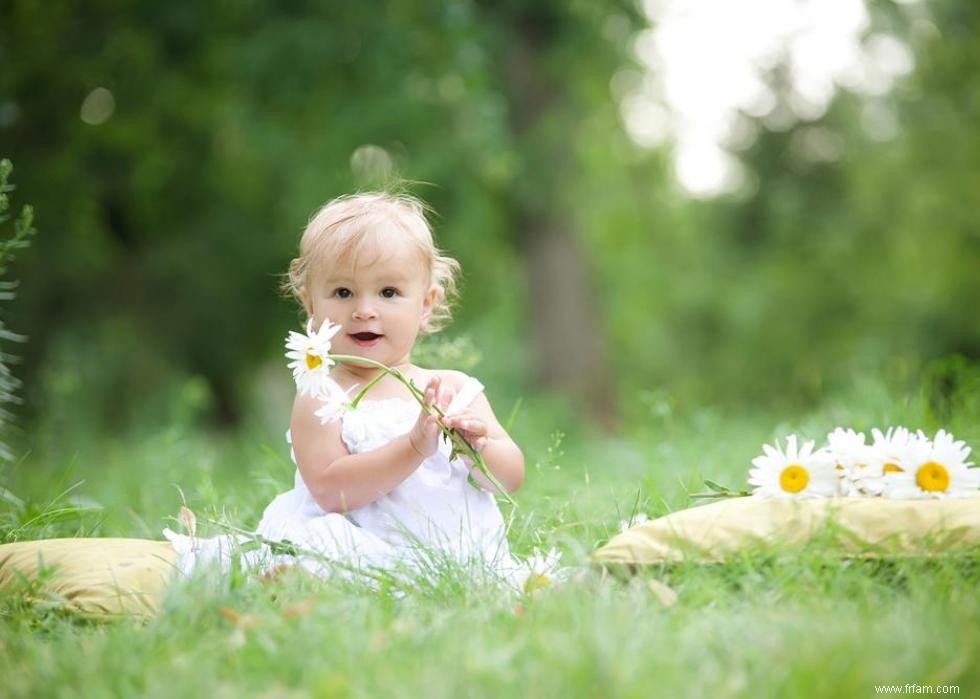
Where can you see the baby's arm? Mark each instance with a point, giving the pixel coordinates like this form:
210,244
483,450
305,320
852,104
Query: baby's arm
484,432
338,480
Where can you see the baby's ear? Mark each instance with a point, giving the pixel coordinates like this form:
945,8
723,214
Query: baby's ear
304,297
429,301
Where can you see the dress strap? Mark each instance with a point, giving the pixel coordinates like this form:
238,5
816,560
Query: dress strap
468,392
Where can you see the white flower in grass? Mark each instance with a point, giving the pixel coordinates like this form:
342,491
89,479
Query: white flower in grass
795,473
933,469
336,402
310,358
855,463
539,570
638,518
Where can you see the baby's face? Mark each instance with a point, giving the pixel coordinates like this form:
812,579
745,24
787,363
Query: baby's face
380,302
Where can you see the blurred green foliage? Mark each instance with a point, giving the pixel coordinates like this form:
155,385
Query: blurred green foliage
176,150
17,239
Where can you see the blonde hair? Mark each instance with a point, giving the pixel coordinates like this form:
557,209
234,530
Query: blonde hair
343,226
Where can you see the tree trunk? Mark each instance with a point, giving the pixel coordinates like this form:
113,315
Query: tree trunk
568,337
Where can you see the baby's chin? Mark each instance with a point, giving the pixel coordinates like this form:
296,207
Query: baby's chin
369,365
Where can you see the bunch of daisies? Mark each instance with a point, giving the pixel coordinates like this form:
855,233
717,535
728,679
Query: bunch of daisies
896,464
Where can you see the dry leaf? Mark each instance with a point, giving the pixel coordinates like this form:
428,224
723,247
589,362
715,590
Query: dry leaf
244,621
275,572
189,520
298,609
666,596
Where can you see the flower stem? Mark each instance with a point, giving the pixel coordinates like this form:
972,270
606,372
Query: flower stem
367,387
458,441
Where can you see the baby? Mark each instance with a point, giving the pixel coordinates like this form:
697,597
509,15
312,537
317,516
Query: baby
377,488
368,263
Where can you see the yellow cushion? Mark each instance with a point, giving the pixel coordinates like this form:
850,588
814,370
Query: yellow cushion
853,526
93,576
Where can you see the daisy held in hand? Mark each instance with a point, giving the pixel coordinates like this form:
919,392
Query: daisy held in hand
311,361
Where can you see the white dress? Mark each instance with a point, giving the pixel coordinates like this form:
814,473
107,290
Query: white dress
433,517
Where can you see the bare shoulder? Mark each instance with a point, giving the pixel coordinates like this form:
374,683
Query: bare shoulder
313,441
304,406
453,378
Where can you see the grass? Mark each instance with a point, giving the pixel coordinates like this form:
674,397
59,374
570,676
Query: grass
776,623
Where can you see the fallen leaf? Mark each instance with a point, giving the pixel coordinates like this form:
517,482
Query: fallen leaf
274,573
189,520
244,621
666,596
298,609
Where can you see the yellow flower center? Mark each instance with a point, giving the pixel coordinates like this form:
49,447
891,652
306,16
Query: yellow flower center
313,361
893,468
932,477
536,581
793,478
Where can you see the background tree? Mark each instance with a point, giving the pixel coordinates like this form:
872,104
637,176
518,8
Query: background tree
177,150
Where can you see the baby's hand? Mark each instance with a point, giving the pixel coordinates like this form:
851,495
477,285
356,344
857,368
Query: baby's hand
424,436
471,427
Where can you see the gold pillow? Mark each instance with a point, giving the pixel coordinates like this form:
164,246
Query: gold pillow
854,526
100,577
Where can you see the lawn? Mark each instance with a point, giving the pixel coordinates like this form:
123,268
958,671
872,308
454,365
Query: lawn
768,623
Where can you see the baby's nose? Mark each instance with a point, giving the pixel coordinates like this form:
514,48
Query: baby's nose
364,311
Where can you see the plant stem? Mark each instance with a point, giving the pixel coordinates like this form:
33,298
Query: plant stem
288,548
363,391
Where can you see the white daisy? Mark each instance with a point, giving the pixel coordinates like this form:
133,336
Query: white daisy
795,473
311,358
336,402
859,472
539,571
888,449
933,469
638,518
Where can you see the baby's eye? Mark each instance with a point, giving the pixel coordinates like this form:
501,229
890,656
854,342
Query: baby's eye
389,292
342,292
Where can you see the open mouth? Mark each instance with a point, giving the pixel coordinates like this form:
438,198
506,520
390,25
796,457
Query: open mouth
365,339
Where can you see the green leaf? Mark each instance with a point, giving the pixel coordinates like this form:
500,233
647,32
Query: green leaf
717,487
